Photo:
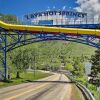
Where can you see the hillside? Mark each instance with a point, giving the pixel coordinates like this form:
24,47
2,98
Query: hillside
69,48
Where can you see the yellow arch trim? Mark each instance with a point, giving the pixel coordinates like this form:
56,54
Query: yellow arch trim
73,31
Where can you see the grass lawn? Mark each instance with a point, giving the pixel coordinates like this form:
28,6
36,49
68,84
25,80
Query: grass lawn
25,77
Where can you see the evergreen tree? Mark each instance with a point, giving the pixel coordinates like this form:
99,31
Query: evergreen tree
95,60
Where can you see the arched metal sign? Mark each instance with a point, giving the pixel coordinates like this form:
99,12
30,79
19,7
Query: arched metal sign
53,13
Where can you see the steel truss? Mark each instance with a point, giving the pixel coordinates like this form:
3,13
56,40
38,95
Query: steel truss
10,40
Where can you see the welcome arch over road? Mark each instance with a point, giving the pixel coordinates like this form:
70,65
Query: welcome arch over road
14,36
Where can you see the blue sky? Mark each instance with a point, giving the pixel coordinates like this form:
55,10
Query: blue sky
22,7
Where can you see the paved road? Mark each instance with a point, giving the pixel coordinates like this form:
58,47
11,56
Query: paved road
55,87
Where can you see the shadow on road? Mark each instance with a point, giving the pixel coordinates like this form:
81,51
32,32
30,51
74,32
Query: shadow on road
51,82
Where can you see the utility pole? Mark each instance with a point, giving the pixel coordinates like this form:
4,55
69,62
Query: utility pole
34,65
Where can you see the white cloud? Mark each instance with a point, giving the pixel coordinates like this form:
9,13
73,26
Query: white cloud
54,7
48,9
92,7
70,7
64,7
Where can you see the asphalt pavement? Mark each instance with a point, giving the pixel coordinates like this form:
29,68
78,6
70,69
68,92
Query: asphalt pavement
54,87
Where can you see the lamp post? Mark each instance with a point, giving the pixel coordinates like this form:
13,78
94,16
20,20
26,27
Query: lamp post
34,66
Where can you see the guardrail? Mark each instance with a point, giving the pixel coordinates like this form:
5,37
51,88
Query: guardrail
86,92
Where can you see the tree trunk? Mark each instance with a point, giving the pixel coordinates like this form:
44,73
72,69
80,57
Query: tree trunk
17,75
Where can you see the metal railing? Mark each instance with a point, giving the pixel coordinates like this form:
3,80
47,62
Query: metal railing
57,21
86,92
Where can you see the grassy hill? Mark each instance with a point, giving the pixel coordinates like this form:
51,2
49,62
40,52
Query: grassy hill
69,48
